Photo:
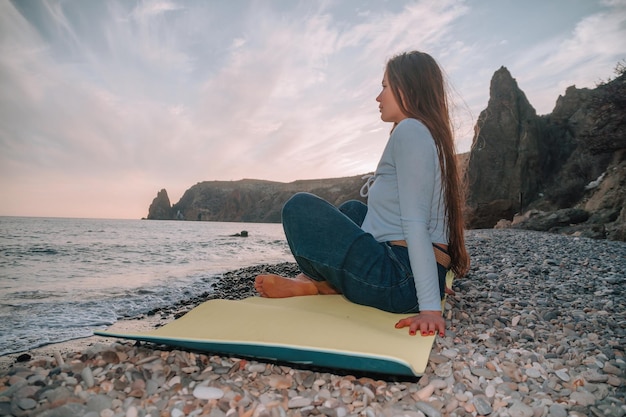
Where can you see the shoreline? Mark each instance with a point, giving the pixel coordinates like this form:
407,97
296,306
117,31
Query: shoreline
537,328
83,343
228,287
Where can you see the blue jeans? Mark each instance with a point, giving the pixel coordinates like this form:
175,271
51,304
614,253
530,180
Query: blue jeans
329,245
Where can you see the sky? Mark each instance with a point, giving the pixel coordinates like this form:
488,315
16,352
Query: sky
104,103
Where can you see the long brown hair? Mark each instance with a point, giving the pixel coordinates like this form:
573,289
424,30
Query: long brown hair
418,85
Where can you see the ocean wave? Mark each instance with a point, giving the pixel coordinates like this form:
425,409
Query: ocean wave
61,278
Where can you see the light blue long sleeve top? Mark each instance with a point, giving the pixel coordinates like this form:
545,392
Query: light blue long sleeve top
405,202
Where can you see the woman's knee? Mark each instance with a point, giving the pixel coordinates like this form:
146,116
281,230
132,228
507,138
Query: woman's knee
355,210
352,205
301,204
297,200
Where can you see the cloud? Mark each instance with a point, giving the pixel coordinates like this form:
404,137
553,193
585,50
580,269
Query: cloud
579,57
306,79
150,9
129,97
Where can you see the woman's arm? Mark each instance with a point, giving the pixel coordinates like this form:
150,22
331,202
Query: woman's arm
417,169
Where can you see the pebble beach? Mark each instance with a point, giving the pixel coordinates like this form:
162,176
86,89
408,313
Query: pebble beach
537,328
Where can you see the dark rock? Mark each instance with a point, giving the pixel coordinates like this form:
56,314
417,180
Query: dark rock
486,215
544,222
573,158
160,209
507,157
568,107
24,357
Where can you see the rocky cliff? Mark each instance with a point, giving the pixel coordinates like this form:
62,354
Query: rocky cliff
564,171
256,200
508,158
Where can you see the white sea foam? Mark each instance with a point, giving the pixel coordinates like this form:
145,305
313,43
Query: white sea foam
62,278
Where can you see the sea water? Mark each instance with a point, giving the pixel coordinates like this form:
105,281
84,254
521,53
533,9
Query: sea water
62,278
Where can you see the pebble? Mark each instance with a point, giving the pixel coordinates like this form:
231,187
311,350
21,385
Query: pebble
482,406
259,367
427,409
87,376
299,402
583,398
557,410
519,409
486,373
26,403
450,353
536,329
425,392
533,373
562,374
208,393
444,370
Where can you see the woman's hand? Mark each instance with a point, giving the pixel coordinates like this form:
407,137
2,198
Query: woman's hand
426,322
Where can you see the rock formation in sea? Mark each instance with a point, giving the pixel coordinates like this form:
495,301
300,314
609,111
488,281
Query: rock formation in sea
160,209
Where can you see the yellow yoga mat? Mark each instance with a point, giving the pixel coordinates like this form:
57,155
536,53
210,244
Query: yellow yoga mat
320,330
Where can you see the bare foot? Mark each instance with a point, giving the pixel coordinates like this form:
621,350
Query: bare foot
275,286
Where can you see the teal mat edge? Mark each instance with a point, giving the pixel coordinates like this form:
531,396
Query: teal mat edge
311,357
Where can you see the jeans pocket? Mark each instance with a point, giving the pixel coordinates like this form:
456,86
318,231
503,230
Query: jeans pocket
403,292
401,263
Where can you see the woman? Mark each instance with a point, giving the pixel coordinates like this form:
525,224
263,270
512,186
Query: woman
394,253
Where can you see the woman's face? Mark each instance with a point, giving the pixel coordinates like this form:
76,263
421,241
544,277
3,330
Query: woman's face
388,105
